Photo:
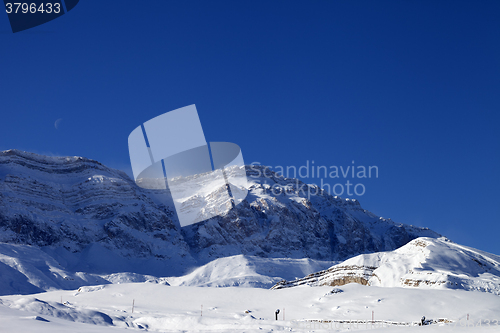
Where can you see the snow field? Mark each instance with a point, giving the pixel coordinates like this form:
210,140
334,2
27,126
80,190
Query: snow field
163,308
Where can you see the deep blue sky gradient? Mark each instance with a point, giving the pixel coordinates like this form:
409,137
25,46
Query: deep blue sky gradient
412,87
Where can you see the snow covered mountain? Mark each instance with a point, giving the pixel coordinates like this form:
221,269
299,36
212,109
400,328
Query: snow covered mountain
424,262
94,219
72,223
279,219
73,205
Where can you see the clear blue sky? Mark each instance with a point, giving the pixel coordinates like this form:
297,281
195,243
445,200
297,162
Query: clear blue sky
412,87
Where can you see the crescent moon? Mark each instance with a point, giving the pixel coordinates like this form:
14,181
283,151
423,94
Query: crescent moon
56,124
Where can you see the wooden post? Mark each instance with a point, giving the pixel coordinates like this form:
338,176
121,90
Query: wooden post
133,304
372,317
201,313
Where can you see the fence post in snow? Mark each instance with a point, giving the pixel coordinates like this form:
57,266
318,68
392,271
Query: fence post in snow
133,303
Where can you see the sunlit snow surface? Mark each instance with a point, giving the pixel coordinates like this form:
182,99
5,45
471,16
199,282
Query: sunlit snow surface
211,297
163,308
422,263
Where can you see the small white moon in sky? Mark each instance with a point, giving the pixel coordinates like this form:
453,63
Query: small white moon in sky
56,124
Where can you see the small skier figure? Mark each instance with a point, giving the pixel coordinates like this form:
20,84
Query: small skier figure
423,321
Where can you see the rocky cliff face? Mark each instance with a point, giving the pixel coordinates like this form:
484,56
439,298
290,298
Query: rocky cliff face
71,205
75,203
282,218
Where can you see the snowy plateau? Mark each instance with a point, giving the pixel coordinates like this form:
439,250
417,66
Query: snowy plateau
84,249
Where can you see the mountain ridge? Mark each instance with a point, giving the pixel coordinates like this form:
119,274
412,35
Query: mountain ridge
95,219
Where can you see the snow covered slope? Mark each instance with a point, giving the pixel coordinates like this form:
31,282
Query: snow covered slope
27,270
422,263
247,271
161,308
